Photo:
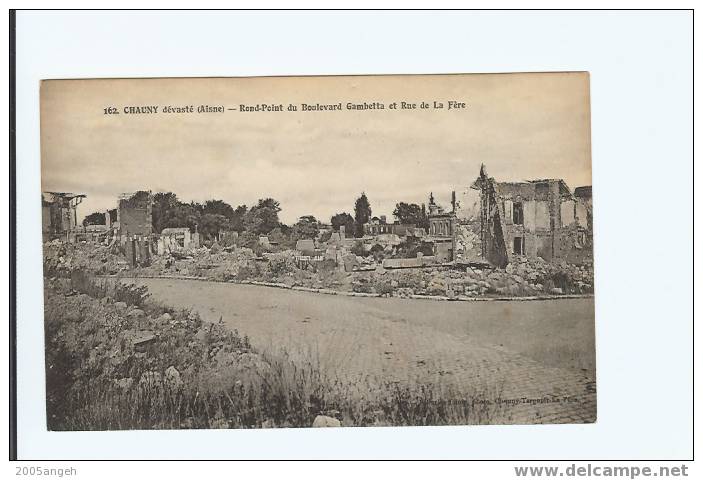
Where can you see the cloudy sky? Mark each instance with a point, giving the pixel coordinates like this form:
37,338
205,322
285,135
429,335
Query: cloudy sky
522,126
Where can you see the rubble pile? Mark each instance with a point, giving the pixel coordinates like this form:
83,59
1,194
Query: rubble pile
214,264
521,277
60,258
241,264
108,348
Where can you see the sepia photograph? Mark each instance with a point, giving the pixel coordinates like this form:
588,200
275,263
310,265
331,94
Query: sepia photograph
318,251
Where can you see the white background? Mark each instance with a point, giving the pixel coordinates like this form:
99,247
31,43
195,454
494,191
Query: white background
641,94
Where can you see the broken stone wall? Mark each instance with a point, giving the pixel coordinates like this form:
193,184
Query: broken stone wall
468,242
138,251
493,246
134,214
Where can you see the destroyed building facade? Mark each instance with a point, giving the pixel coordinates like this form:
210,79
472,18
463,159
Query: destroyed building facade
134,214
535,218
134,226
59,215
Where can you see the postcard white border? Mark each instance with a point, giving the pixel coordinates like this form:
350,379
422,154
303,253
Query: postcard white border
641,85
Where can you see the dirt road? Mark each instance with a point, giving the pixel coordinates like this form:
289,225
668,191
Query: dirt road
538,357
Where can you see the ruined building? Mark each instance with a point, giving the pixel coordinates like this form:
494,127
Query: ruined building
134,226
174,239
134,214
59,216
380,226
536,218
442,231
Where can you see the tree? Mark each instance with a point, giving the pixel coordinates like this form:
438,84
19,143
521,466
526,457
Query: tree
95,218
249,240
211,224
162,209
362,213
358,249
198,207
183,215
408,213
262,217
284,236
345,219
218,207
238,218
306,228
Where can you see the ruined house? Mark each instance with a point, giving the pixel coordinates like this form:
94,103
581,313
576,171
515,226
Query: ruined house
535,218
59,216
174,239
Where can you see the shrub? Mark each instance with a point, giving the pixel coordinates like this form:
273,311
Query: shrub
410,280
358,249
130,294
248,271
382,287
561,279
362,285
281,264
83,283
378,252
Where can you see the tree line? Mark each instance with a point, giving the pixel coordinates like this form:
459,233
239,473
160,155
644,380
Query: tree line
213,216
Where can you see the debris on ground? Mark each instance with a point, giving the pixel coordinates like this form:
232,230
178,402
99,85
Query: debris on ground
522,277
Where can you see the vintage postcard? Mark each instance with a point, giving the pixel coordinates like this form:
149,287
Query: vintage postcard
332,251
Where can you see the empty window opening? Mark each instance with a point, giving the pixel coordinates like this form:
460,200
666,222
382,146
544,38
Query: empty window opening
519,245
517,213
580,239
